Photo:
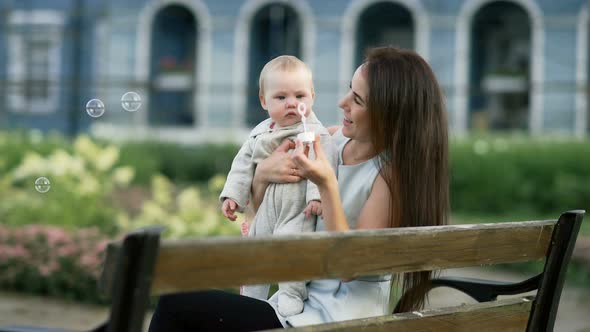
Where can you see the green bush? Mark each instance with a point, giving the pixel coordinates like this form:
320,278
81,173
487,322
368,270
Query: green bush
517,175
178,162
89,187
181,163
502,178
499,175
15,144
82,183
190,212
45,244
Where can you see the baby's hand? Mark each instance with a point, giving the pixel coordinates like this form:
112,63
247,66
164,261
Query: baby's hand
228,208
313,207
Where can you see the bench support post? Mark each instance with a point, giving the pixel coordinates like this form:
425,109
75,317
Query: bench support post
135,268
545,306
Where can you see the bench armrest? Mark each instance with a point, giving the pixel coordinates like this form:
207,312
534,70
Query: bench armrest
487,290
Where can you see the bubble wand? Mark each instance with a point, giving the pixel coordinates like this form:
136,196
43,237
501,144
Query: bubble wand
305,136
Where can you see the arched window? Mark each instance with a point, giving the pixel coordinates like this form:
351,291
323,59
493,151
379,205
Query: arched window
384,24
172,67
500,67
275,30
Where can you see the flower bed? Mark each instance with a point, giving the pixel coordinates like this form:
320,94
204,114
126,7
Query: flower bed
52,243
52,261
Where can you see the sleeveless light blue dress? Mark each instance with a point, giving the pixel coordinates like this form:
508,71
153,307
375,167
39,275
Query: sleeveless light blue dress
331,300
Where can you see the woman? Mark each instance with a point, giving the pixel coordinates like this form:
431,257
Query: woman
393,172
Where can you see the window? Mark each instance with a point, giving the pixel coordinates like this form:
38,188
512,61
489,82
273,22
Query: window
34,47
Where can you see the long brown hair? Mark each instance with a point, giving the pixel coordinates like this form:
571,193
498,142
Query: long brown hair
408,118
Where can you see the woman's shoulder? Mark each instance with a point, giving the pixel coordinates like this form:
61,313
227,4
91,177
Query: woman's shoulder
337,137
332,130
339,141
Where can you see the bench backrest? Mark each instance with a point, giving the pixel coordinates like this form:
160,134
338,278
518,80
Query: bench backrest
142,265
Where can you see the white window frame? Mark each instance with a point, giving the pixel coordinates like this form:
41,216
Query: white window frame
242,43
462,62
52,23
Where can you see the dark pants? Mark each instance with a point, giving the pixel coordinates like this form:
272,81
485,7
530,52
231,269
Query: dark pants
212,311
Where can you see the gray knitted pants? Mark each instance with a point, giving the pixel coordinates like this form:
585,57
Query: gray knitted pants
281,212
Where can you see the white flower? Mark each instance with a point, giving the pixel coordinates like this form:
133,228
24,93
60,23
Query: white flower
177,226
188,199
62,163
208,222
76,166
161,190
123,221
216,183
122,176
86,148
106,158
32,165
59,162
89,185
153,212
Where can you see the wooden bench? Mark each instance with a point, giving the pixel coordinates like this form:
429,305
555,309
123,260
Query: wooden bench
142,266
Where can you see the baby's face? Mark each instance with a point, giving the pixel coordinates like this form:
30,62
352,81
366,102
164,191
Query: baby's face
283,91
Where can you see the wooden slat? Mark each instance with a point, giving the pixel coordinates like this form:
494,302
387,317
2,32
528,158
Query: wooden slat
504,315
230,262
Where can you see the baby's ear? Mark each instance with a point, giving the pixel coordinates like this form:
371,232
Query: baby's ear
262,102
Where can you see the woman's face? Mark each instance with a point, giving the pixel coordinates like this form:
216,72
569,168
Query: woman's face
354,104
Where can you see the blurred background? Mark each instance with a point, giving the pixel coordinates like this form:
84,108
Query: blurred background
514,74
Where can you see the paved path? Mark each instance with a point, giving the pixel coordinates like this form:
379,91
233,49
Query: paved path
573,315
18,309
574,307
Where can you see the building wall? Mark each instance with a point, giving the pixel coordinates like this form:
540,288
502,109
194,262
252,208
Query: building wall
67,114
114,57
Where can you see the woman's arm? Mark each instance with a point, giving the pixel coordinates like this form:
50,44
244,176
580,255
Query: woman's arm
277,168
332,211
320,172
333,129
375,212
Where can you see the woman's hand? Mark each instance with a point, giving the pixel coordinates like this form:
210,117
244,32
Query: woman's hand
279,166
318,171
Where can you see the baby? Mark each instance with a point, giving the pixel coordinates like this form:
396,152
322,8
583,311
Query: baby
287,208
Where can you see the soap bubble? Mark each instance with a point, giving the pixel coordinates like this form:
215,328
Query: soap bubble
95,108
42,185
131,101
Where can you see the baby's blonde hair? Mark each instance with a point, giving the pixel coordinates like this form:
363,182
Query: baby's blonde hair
286,63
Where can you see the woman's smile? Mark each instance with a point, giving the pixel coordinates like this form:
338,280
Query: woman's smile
347,122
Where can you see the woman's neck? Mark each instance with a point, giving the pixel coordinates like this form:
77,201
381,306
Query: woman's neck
356,152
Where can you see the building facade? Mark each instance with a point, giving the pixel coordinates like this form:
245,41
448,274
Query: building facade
512,65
